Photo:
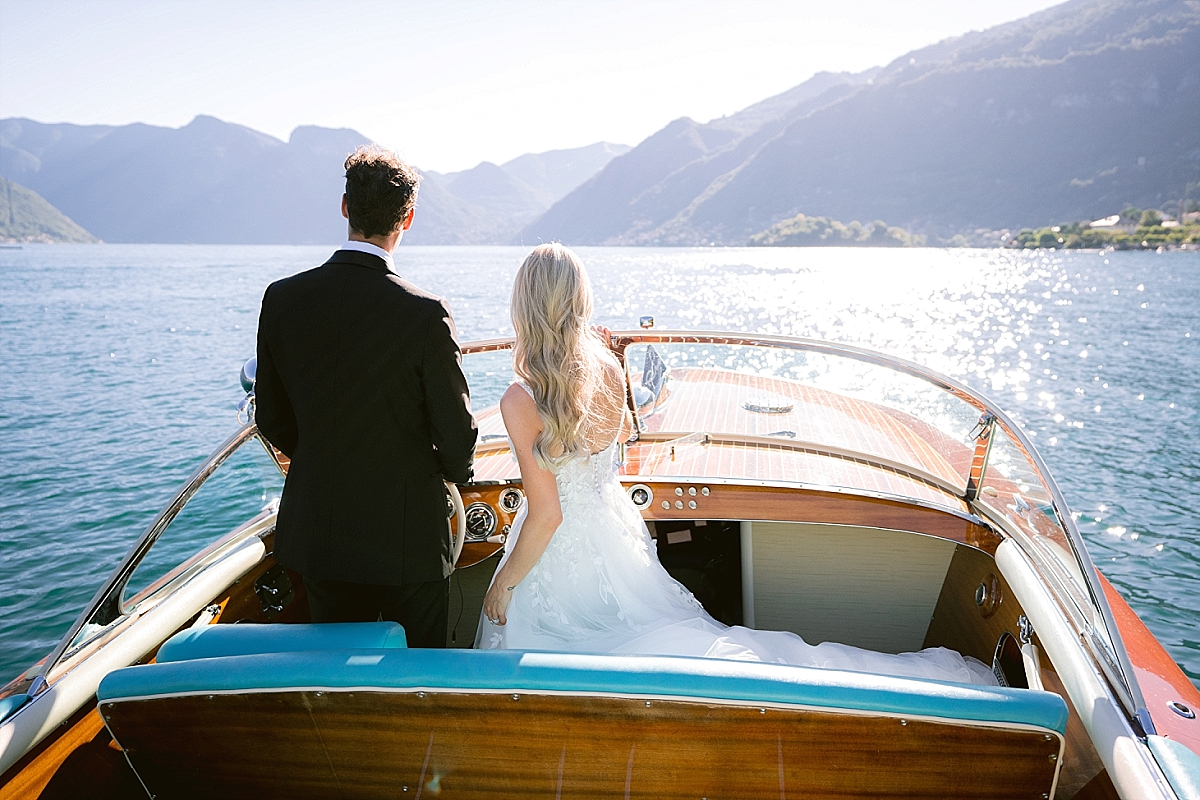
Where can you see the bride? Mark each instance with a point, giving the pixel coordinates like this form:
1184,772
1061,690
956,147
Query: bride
580,572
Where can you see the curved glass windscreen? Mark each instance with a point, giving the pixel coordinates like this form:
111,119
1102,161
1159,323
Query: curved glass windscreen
244,487
715,406
1015,492
803,398
768,412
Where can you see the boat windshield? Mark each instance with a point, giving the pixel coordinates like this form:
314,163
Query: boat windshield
794,415
807,413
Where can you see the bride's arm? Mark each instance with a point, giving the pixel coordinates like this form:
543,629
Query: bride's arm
543,514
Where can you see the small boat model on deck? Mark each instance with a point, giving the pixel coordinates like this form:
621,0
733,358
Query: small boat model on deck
790,484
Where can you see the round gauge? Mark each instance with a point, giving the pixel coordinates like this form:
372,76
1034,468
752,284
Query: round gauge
511,499
481,521
641,495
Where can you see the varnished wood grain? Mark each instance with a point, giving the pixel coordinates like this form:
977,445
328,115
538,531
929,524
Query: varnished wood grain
1099,788
1161,679
475,551
957,622
360,744
961,625
784,504
26,779
240,603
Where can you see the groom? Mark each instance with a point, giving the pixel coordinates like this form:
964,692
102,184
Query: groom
360,383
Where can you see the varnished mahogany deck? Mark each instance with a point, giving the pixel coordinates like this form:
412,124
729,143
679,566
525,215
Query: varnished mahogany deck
894,449
309,744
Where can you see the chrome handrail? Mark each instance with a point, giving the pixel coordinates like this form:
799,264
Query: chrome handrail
1131,698
106,603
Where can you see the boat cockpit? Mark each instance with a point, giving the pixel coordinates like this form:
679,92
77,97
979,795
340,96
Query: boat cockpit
789,484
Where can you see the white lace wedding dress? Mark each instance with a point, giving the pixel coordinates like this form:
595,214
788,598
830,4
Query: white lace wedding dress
600,588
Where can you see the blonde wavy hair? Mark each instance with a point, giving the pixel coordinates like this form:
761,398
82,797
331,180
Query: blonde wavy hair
557,355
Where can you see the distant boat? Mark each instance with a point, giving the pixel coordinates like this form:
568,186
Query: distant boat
792,484
10,247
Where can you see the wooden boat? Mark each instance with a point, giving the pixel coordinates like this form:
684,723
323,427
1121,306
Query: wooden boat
790,484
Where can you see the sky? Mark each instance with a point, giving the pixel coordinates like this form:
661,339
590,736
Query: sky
449,83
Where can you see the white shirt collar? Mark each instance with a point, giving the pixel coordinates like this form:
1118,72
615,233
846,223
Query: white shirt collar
375,250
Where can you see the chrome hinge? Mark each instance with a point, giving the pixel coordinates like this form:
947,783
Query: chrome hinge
1026,629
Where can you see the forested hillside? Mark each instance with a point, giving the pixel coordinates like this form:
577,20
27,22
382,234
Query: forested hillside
1086,107
26,217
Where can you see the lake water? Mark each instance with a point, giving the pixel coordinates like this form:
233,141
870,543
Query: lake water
119,374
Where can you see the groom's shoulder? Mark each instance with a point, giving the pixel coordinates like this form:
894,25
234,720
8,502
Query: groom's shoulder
282,287
409,292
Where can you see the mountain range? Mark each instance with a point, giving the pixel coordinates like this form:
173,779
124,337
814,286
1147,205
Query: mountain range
216,182
1071,113
1067,114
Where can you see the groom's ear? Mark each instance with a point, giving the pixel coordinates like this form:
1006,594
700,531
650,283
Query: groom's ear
407,220
345,206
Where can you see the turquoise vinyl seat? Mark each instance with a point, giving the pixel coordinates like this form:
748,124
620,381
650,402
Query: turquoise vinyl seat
1179,764
217,641
11,704
396,668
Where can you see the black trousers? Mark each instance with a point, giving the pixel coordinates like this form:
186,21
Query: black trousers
422,608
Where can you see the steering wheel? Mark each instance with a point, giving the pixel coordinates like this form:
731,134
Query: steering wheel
459,536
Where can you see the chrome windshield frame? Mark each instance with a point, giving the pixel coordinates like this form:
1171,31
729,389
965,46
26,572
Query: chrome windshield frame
108,597
1127,690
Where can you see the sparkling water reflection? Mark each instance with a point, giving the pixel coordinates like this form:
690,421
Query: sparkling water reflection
120,369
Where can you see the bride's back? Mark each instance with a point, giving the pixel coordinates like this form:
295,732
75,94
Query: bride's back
573,377
607,416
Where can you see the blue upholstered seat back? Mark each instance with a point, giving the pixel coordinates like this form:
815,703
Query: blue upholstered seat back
398,669
215,641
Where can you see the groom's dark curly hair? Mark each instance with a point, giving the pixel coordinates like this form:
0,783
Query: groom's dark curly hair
380,190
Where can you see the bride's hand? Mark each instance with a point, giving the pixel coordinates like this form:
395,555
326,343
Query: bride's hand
495,604
605,335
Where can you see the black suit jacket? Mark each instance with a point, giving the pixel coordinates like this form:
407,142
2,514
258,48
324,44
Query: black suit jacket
360,383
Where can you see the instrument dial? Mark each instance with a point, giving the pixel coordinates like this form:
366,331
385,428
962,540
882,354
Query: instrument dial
641,495
511,499
481,521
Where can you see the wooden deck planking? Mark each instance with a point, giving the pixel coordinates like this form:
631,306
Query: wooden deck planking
711,400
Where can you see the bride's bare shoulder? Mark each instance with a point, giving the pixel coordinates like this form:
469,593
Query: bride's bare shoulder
518,407
517,397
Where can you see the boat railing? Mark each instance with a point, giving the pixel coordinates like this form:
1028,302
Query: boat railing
1096,620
